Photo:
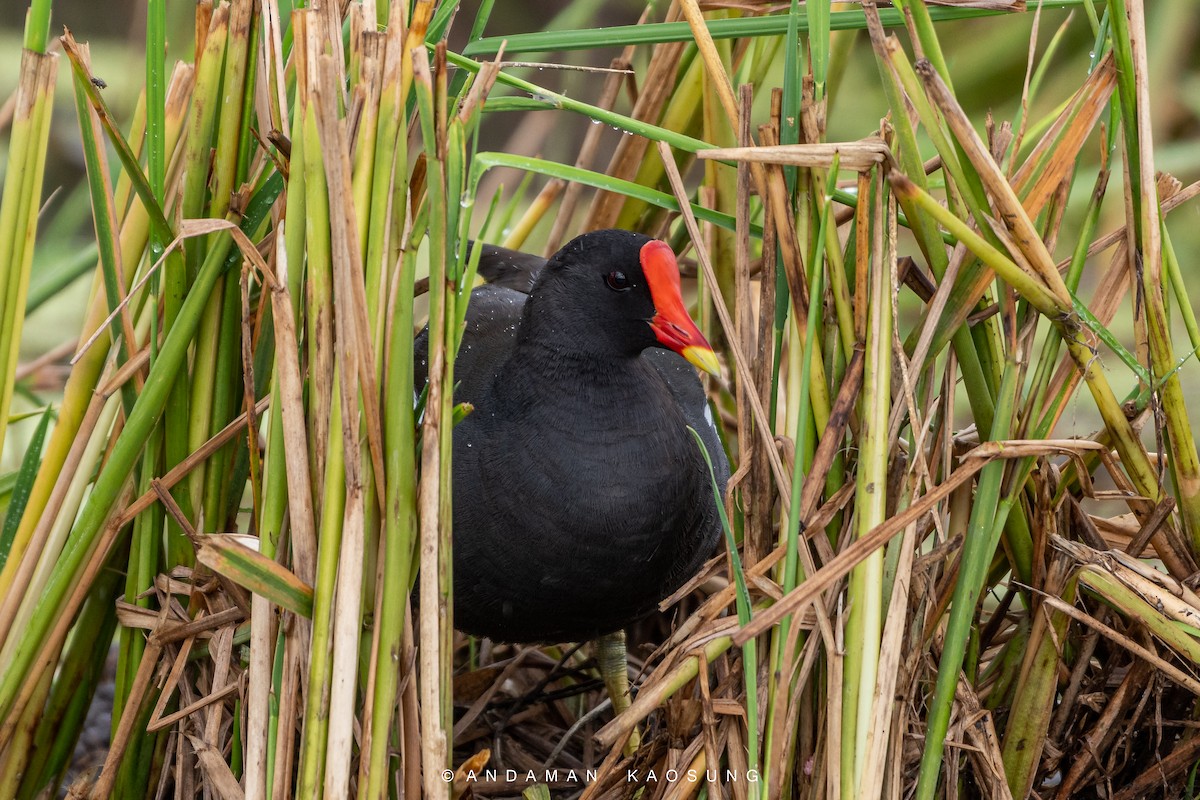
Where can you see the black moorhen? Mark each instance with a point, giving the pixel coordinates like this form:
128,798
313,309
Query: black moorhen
580,498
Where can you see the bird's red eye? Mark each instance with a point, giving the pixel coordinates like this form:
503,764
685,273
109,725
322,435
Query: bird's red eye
617,281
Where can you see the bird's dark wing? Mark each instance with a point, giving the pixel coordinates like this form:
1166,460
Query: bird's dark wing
493,315
684,384
500,266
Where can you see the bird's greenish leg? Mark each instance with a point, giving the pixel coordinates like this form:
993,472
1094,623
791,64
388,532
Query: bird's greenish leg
614,669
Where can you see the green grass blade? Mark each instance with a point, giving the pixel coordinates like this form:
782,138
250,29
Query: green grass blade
24,485
49,279
983,534
750,648
128,158
600,181
743,27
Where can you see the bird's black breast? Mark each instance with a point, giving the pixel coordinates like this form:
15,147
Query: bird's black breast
569,521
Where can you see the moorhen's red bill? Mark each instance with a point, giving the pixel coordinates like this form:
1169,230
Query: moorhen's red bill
580,498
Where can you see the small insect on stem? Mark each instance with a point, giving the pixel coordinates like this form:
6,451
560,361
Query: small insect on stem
99,83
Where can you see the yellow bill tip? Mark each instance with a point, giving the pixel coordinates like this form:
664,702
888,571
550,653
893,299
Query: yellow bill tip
702,358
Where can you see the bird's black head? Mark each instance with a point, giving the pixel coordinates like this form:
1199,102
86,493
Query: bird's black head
616,292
